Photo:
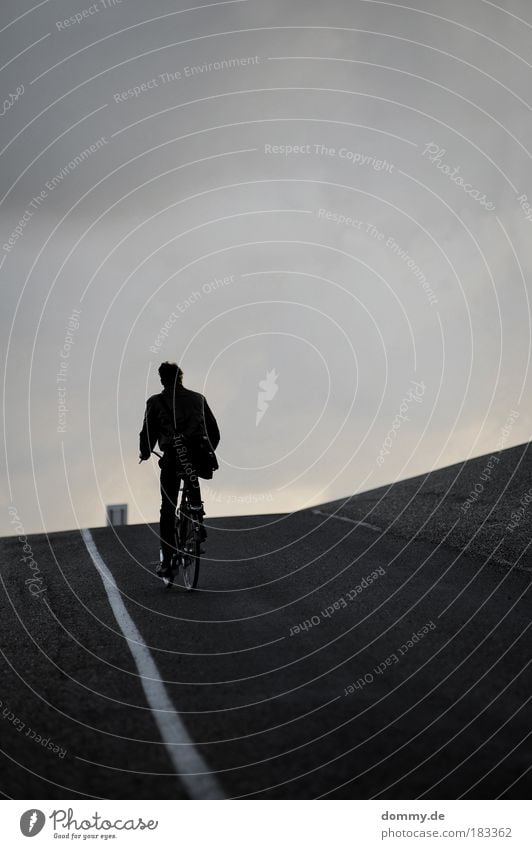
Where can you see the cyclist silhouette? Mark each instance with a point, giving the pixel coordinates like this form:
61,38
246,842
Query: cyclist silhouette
177,418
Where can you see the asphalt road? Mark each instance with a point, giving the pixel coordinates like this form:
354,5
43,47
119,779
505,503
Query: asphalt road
350,705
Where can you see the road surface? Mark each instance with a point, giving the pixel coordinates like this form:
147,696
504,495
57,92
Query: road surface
319,658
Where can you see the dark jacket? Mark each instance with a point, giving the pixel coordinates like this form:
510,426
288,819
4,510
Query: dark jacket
192,417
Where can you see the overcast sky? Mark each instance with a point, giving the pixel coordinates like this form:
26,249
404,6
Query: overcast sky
323,198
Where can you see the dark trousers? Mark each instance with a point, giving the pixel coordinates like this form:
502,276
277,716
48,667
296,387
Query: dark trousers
172,474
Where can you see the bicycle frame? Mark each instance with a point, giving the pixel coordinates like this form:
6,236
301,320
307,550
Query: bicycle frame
187,539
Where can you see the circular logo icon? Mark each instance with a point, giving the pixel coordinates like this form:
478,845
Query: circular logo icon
32,822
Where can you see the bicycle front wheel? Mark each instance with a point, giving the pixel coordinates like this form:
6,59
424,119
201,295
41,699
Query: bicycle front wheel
190,551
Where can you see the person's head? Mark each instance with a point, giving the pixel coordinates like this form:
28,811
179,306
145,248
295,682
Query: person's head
171,375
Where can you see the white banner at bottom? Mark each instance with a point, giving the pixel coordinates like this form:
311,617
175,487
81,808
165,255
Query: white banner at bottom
263,824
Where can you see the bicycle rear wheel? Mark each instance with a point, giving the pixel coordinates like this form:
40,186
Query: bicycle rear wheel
189,536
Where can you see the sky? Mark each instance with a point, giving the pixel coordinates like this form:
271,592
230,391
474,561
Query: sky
322,212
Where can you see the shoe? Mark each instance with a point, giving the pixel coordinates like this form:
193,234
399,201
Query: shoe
164,569
197,514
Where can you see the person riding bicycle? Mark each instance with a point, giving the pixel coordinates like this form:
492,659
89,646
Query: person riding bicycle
177,418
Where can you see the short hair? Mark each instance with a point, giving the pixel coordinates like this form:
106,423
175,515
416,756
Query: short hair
170,374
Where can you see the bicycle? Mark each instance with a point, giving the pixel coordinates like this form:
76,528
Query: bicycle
187,543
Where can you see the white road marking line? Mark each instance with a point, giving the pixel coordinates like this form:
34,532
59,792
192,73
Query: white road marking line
187,761
347,519
500,560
